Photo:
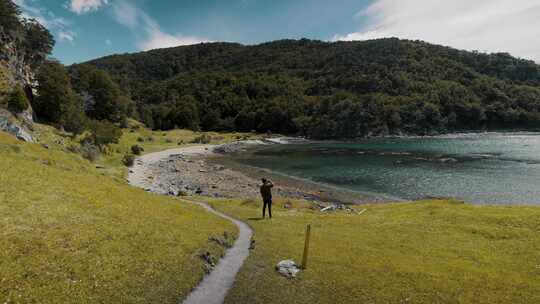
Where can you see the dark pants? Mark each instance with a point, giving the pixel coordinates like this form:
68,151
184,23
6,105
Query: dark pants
267,201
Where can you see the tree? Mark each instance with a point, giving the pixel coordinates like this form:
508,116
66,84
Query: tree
104,133
38,42
329,90
56,102
17,101
9,17
105,100
184,115
210,120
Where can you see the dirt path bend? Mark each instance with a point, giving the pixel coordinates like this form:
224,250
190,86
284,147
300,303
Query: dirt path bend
214,287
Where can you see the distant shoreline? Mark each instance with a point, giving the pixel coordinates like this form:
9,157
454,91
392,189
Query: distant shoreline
207,171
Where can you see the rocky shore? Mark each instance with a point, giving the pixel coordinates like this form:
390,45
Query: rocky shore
187,171
199,170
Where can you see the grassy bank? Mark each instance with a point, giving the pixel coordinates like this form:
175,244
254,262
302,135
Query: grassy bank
425,252
70,234
110,160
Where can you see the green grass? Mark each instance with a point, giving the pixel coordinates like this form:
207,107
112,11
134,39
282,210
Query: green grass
424,252
70,234
151,141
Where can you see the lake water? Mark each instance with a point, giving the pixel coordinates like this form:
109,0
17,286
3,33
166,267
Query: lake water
496,168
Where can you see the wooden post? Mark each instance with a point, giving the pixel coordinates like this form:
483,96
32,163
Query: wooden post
306,247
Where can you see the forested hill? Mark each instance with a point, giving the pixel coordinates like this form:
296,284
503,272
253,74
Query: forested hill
329,90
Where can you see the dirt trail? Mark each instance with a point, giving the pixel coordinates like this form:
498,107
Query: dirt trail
214,287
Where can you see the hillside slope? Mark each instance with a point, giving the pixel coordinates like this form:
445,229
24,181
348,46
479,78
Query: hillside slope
70,234
322,89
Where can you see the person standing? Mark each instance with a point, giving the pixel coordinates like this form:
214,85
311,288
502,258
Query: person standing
266,193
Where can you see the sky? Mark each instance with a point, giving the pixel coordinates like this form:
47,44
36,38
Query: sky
88,29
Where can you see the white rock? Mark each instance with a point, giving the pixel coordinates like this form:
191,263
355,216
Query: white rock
288,268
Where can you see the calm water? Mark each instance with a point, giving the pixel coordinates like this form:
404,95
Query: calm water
497,168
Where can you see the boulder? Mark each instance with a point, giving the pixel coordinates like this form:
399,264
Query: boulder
14,129
288,268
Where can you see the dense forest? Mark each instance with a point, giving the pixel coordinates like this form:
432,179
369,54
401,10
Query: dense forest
311,88
329,90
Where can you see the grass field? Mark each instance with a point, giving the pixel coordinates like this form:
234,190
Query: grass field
424,252
74,233
151,141
71,234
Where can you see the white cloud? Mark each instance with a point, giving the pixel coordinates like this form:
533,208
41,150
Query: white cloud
48,19
151,36
126,14
85,6
42,15
157,39
484,25
67,36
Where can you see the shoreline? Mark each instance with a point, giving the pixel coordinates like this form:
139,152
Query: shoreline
206,170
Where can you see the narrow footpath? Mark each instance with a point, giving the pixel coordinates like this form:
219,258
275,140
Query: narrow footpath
214,287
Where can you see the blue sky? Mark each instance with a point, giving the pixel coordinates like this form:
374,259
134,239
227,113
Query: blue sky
86,29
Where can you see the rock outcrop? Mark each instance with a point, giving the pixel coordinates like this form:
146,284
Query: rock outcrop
15,71
13,126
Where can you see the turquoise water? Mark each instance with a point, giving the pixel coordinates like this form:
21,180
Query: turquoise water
497,168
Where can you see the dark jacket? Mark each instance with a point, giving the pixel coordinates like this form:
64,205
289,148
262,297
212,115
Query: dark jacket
266,190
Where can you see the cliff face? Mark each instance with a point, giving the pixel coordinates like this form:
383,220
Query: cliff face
15,71
14,62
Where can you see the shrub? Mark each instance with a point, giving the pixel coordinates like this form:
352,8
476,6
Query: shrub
74,120
140,139
104,133
17,101
128,160
90,152
124,124
136,149
203,139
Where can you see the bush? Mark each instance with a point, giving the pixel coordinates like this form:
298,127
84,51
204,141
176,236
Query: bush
104,133
136,149
128,160
124,124
74,121
90,152
140,139
203,139
17,101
